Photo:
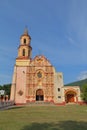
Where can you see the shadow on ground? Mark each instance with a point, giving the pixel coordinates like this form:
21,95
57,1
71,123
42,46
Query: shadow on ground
63,125
16,107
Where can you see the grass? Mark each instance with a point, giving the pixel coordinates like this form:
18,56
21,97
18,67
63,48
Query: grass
70,117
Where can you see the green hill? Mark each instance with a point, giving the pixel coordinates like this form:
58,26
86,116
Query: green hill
77,83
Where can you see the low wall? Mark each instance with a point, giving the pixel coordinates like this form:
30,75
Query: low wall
4,104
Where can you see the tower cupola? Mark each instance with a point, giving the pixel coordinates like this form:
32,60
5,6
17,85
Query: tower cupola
24,50
25,39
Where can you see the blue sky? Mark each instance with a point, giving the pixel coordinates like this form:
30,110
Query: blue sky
58,29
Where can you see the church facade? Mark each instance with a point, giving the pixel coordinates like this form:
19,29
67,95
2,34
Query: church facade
36,80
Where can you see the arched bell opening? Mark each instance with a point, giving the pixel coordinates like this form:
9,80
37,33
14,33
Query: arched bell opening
39,95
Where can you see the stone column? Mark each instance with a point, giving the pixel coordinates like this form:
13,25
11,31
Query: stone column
6,98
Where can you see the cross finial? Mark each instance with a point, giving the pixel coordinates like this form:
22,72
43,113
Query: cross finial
39,52
26,30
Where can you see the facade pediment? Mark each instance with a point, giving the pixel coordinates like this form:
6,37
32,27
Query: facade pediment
40,61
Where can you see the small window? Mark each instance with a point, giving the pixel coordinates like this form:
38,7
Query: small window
24,41
59,96
58,89
23,52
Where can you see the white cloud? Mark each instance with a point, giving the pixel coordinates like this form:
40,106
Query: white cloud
73,42
83,75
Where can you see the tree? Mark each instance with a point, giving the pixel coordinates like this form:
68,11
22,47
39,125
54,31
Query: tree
7,88
84,92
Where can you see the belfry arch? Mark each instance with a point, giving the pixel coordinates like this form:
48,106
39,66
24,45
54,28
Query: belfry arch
39,95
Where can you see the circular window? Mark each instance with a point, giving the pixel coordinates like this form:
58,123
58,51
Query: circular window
39,74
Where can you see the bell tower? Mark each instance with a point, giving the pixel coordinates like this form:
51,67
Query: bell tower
19,82
24,50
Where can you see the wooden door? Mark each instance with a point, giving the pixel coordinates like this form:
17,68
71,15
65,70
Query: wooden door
39,95
70,98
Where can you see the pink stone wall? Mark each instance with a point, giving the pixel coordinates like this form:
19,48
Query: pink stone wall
20,96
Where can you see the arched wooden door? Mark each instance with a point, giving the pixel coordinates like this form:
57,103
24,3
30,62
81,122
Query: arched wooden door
39,95
70,97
